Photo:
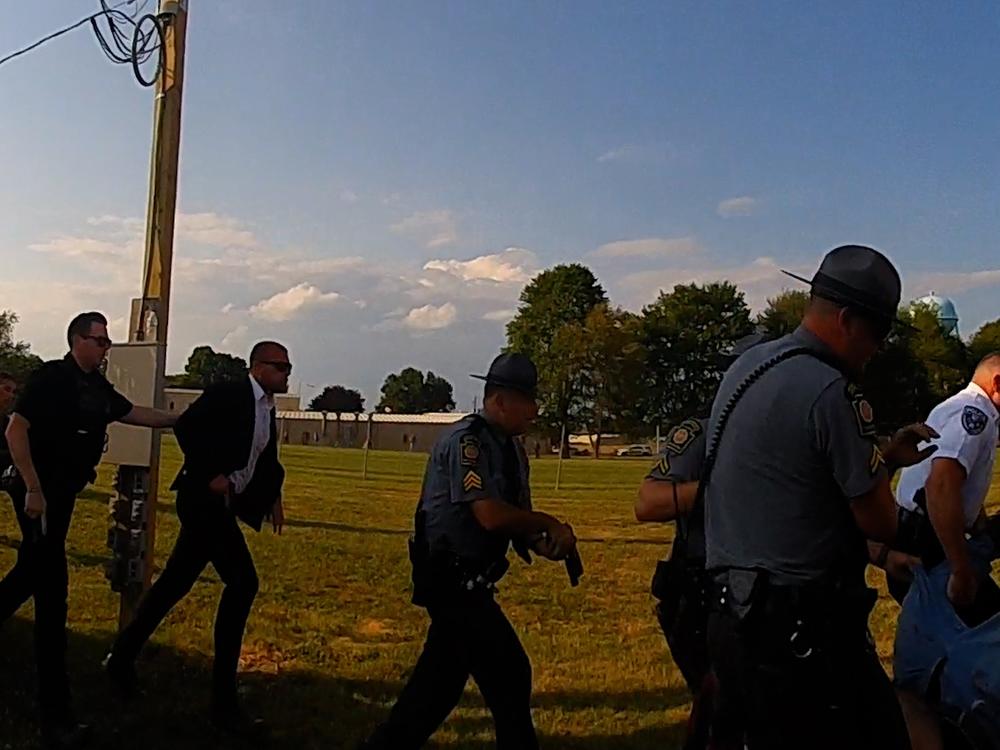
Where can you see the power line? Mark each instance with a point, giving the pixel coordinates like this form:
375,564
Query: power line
122,48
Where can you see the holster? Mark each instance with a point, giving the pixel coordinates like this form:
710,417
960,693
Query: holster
681,586
915,534
441,577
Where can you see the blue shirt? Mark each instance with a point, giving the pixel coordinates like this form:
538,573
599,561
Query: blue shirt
472,461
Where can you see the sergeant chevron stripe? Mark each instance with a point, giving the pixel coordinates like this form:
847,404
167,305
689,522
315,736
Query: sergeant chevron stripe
472,481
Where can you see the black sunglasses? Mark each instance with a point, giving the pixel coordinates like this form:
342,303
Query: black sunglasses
102,341
285,367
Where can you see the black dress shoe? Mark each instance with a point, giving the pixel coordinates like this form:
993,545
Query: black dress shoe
66,735
236,722
124,680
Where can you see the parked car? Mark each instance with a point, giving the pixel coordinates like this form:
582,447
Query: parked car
634,450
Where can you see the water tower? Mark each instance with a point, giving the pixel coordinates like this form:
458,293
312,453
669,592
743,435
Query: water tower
945,311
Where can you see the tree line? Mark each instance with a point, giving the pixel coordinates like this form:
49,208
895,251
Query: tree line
603,369
608,370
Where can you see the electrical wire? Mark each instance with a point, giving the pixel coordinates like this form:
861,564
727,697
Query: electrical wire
124,41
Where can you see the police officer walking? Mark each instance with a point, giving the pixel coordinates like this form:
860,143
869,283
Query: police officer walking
56,437
475,502
795,482
670,493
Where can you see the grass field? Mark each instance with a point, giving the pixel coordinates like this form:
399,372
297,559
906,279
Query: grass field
333,636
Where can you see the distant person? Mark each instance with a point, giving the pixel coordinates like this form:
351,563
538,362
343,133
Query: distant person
795,482
56,437
231,471
8,390
475,501
941,503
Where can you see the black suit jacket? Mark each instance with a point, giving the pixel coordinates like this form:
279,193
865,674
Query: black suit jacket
216,434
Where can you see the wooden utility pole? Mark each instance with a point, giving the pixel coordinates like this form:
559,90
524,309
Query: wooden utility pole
151,313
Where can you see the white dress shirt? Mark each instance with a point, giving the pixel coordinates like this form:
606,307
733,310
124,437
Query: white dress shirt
263,404
968,424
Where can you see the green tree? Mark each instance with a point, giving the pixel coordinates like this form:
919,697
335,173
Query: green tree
411,392
337,399
555,298
15,356
438,394
608,365
897,384
944,355
206,367
783,313
985,341
682,333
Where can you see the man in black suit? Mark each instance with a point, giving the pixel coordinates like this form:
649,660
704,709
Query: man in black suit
231,471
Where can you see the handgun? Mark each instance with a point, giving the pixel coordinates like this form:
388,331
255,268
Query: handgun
574,567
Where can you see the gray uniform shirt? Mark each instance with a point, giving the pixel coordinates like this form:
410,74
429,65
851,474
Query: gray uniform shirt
681,461
470,462
798,447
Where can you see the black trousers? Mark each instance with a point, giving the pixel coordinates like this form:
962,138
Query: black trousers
472,638
40,572
209,533
836,696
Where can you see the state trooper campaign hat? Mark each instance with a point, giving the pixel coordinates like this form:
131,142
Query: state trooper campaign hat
514,371
858,277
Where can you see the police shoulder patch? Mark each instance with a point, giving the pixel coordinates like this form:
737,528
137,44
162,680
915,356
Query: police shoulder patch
974,420
681,436
863,412
469,449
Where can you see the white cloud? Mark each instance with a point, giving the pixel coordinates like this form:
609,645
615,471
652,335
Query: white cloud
214,229
513,265
432,228
206,228
348,196
431,318
85,247
500,316
744,205
758,280
292,302
616,154
955,282
638,153
236,338
228,307
651,247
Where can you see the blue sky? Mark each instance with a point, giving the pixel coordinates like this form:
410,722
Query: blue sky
374,182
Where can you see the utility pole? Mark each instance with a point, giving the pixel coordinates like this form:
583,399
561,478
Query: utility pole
150,313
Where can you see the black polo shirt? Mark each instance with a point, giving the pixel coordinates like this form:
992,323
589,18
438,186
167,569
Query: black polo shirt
69,411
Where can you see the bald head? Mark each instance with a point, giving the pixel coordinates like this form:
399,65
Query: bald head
987,376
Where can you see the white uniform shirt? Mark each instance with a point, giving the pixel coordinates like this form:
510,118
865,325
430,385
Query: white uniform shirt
968,424
263,404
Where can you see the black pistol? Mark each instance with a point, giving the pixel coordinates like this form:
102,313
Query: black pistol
574,567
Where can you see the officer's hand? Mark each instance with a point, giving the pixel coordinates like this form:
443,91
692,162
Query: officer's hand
34,503
902,449
560,542
278,516
899,566
963,583
220,485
